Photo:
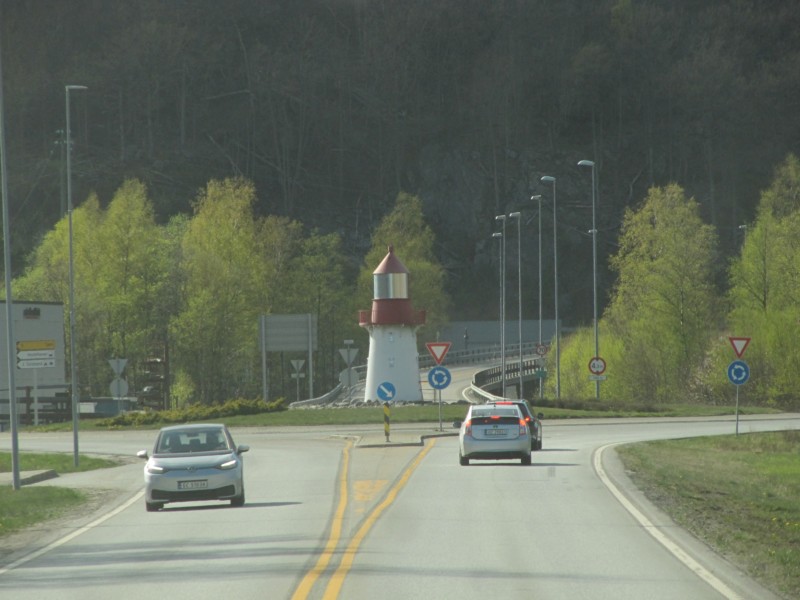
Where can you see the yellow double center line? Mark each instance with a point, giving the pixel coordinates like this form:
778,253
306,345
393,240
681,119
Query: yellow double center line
337,579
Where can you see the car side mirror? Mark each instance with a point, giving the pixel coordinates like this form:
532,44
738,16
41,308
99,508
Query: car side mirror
142,454
242,448
457,424
540,416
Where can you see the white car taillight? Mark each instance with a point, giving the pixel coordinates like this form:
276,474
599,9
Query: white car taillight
468,428
523,427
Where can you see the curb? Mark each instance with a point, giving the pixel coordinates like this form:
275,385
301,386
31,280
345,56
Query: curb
372,443
28,477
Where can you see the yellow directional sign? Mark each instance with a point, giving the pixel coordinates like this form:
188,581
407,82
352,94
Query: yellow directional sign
36,345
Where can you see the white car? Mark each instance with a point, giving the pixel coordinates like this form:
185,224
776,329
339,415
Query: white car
494,431
193,462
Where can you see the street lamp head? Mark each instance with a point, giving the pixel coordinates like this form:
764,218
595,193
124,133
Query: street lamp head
76,87
500,218
514,215
536,197
586,163
497,235
547,179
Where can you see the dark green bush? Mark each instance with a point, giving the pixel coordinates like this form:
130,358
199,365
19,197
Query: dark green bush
195,412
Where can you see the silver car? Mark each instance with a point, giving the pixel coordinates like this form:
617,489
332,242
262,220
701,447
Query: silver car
492,431
193,462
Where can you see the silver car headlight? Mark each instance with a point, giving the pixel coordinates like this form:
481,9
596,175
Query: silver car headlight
231,464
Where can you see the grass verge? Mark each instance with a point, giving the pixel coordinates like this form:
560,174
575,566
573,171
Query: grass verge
30,505
740,494
232,415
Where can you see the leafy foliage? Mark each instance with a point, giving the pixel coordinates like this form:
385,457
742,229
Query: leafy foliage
193,413
405,228
765,285
664,305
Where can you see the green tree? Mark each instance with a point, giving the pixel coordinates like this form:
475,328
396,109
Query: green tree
577,350
413,240
120,270
46,279
215,335
131,272
308,274
765,284
664,304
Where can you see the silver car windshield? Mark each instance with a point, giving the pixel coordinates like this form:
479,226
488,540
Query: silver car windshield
181,442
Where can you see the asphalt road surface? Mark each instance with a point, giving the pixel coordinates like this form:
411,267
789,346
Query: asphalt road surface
331,516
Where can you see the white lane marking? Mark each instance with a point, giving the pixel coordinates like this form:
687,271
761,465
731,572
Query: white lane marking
663,539
33,555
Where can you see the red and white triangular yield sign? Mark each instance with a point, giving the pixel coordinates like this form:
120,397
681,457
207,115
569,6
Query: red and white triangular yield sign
739,345
438,350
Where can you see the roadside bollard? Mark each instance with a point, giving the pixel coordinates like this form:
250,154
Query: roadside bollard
386,419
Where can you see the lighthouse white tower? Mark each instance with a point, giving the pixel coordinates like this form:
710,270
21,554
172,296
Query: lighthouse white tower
393,362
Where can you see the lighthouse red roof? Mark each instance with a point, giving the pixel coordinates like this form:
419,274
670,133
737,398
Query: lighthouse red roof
390,264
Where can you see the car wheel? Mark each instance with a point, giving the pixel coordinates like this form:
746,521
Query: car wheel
525,460
238,500
538,445
153,506
463,460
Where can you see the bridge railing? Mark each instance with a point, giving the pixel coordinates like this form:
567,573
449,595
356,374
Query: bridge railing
483,380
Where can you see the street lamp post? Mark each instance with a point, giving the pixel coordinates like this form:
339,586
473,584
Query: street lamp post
499,236
549,179
502,218
72,356
539,198
518,217
589,163
9,303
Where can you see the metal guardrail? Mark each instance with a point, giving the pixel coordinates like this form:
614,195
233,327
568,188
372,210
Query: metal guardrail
483,379
492,377
319,401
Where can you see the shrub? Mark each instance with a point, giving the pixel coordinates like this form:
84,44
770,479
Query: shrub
195,412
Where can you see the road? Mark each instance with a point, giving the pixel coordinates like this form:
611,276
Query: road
328,518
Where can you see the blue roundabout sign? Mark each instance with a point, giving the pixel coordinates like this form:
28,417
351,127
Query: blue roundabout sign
738,372
439,378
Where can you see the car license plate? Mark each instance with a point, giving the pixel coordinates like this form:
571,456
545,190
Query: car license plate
197,484
495,432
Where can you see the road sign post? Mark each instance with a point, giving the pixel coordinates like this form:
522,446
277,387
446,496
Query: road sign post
439,378
298,375
738,370
348,354
387,420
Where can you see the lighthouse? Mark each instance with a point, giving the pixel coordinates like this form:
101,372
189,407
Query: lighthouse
393,361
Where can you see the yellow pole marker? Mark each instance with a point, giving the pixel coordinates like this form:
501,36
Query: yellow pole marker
387,418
